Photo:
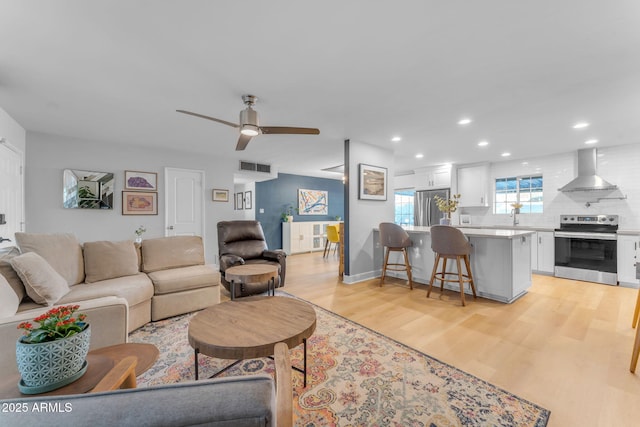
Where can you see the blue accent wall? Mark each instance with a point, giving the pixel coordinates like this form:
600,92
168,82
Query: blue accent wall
275,195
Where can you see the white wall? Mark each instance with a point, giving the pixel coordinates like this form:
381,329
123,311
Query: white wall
618,165
48,155
11,131
364,215
245,214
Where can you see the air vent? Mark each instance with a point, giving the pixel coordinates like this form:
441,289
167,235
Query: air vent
254,167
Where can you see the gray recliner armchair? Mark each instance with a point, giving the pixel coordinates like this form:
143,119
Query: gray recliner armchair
243,242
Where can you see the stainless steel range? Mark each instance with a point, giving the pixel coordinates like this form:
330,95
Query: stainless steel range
586,248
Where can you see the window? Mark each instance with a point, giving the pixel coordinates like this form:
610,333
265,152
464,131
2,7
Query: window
404,207
526,190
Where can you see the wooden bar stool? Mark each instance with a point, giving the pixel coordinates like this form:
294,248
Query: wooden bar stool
636,343
395,239
448,243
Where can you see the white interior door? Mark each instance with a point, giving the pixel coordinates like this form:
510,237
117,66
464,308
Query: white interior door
11,194
184,202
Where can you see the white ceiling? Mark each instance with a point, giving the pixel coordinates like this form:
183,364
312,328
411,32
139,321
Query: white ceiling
525,71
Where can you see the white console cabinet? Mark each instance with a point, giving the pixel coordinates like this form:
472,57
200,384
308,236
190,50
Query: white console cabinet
304,236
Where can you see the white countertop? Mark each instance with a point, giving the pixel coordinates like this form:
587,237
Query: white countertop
476,232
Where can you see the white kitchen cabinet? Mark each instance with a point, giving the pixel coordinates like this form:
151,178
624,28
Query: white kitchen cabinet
546,252
473,186
628,246
432,178
404,182
304,236
534,251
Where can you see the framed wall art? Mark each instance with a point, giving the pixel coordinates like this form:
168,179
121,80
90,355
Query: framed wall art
372,182
239,201
248,202
219,195
313,202
144,181
139,203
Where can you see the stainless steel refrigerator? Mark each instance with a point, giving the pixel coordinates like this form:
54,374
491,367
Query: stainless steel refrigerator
425,210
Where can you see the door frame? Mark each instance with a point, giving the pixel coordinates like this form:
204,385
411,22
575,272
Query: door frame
168,169
21,222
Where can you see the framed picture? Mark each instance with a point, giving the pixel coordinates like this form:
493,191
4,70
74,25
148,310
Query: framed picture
220,195
313,202
239,201
372,182
144,181
139,203
248,202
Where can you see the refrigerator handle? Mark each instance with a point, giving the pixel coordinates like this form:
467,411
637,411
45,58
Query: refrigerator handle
429,213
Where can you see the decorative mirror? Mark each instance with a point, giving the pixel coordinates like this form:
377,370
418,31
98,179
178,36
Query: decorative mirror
87,189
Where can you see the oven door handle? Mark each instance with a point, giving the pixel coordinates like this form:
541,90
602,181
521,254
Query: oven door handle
593,236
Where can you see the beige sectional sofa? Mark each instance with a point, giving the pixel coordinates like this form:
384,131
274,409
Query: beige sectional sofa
119,285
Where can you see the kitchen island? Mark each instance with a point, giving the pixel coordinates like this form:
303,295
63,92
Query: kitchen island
500,260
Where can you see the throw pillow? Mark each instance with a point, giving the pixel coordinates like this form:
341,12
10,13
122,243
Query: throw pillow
108,260
9,301
43,284
62,251
9,273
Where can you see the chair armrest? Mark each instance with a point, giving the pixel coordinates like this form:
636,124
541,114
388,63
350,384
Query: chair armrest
284,387
123,375
229,260
276,254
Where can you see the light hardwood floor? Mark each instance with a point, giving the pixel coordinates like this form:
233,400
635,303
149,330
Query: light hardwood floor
566,345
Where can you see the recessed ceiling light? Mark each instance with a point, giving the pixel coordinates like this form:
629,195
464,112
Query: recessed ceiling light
465,121
419,156
483,143
581,125
505,154
525,163
396,139
591,141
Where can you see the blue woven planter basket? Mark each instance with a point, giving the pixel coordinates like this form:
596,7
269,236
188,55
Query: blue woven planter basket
52,363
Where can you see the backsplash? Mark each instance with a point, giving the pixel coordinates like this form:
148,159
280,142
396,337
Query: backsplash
618,165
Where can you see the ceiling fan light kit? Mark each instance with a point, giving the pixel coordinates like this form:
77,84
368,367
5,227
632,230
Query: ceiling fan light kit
249,125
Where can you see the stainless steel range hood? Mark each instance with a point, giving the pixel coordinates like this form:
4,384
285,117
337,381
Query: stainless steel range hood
587,179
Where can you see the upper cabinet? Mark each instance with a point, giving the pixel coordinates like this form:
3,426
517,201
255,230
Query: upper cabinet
473,186
404,181
424,179
432,178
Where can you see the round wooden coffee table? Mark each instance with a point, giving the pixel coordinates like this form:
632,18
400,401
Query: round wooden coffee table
249,328
252,274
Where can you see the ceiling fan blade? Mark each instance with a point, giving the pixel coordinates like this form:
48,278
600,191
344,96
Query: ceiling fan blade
288,130
202,116
243,141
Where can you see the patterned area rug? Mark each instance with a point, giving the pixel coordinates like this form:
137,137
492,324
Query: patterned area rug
357,377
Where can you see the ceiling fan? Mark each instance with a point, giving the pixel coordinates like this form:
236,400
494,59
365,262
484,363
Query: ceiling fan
249,126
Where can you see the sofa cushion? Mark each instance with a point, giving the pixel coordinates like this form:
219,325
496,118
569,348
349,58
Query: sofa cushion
9,301
43,284
9,273
62,252
181,279
135,289
171,252
107,260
